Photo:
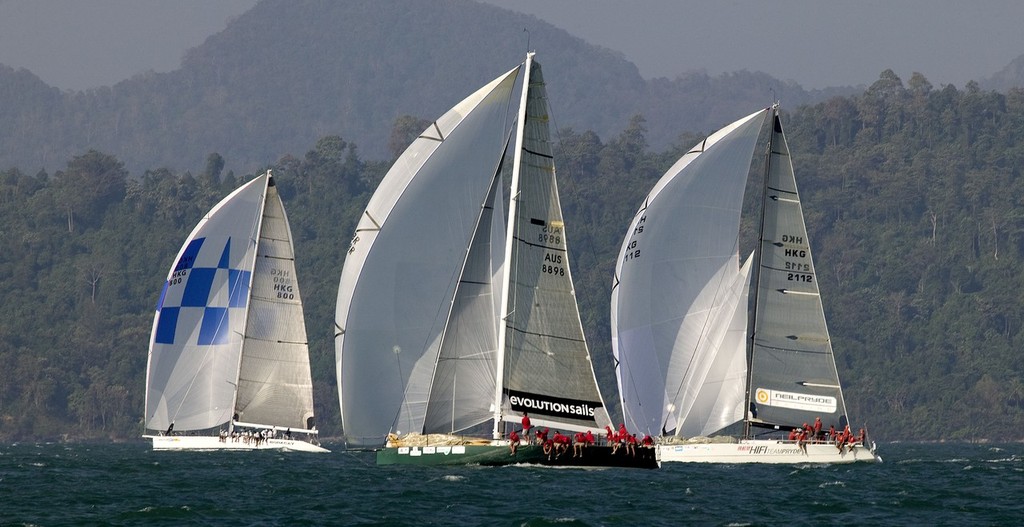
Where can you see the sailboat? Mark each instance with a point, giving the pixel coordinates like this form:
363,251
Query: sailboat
452,324
695,355
228,357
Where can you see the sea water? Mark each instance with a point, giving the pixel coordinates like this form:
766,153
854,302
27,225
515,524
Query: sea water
129,484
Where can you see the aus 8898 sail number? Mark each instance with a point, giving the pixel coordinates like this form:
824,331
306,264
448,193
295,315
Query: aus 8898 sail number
553,269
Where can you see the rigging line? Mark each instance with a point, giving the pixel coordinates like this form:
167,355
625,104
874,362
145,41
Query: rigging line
538,154
279,341
405,402
781,270
277,240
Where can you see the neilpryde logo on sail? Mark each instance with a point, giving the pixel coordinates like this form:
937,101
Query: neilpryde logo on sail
796,401
552,406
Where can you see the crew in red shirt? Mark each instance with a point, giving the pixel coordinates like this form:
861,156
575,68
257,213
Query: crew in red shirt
526,426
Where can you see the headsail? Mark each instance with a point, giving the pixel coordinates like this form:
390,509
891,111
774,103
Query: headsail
464,378
678,291
547,369
793,376
404,263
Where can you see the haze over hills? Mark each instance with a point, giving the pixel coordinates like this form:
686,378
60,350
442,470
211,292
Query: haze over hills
285,73
76,45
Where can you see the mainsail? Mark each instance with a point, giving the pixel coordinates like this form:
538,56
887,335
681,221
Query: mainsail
274,381
546,370
793,376
228,336
404,263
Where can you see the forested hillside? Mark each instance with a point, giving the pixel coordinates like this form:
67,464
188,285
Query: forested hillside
913,197
288,72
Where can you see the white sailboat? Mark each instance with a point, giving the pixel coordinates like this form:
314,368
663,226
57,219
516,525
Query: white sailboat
693,357
448,320
228,357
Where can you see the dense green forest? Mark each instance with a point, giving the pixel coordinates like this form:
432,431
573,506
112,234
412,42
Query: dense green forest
913,197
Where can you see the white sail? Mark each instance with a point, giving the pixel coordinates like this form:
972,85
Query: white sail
464,378
675,289
274,382
712,395
425,341
400,275
687,366
546,369
793,377
196,341
219,325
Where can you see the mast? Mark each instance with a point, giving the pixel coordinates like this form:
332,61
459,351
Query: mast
755,285
509,240
255,240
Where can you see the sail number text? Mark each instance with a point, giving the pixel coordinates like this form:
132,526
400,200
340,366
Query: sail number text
283,284
177,277
632,252
553,265
797,271
552,235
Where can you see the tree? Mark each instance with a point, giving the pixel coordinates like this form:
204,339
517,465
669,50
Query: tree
92,183
406,129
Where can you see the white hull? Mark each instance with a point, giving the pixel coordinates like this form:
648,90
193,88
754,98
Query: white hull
215,443
765,451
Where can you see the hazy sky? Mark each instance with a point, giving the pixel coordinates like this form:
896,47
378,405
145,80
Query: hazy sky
77,44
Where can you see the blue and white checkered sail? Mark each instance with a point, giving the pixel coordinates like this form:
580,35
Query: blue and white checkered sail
228,335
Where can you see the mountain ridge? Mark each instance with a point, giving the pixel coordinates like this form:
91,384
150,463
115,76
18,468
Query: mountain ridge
283,74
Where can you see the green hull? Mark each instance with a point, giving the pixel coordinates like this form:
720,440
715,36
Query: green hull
488,455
